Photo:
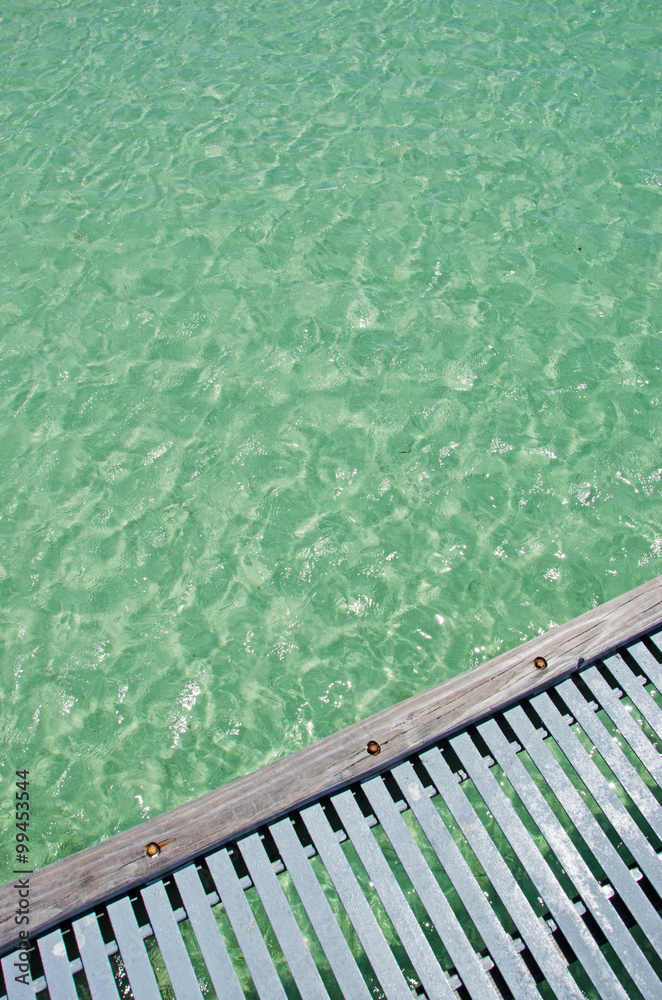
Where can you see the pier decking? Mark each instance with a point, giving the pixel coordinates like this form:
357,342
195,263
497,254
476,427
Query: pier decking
496,836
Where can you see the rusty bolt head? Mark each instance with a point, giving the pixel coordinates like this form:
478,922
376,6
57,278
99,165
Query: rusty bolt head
373,748
540,662
152,849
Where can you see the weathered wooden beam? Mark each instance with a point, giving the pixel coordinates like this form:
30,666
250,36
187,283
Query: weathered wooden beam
100,873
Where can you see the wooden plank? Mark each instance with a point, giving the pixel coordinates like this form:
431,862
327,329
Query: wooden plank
72,885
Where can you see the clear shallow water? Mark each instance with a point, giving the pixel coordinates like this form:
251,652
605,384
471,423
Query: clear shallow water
310,399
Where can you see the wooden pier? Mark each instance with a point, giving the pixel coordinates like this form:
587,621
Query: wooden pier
495,836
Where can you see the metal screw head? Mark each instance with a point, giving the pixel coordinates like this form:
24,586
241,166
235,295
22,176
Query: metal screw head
540,662
152,849
373,748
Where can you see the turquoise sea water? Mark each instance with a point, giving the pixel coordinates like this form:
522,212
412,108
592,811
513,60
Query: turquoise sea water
310,398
